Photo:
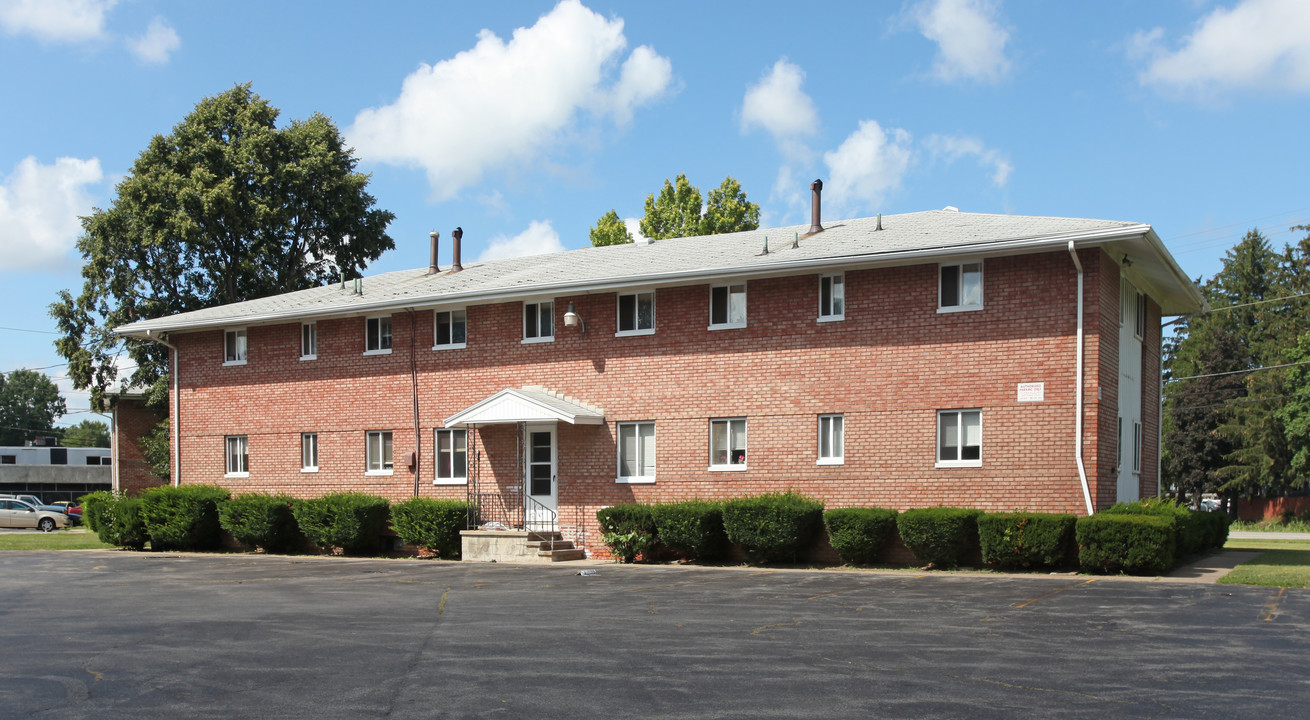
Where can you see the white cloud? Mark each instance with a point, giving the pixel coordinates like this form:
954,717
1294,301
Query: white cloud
634,226
777,104
55,20
538,239
157,44
953,148
39,209
868,164
502,103
1255,43
970,41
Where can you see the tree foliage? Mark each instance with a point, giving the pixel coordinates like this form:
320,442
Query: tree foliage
88,433
677,210
225,208
610,230
29,404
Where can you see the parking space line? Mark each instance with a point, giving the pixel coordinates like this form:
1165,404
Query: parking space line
1271,607
865,587
1057,591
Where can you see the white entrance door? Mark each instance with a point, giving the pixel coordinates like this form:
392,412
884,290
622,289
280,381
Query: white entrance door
543,486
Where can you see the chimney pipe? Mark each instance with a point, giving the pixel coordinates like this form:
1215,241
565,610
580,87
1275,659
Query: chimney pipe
433,268
456,265
815,227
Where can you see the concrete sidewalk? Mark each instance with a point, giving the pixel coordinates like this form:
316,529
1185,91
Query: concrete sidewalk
1255,535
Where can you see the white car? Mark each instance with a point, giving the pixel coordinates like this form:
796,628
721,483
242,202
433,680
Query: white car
18,514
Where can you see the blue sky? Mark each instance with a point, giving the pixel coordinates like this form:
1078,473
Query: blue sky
524,122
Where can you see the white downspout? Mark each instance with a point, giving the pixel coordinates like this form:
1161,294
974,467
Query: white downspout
1078,393
176,416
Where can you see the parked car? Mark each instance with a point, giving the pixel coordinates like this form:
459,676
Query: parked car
74,512
18,514
1210,504
35,502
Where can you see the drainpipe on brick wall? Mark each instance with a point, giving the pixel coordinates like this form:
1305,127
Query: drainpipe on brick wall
413,378
1078,401
177,408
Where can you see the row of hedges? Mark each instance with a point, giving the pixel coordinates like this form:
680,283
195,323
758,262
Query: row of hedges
1147,536
191,517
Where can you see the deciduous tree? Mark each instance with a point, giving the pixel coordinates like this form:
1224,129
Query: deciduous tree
88,433
610,230
676,211
29,404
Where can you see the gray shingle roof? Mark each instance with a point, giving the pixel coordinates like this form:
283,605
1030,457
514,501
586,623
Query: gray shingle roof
904,239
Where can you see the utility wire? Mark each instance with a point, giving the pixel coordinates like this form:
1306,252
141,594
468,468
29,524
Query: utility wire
1236,224
1239,402
43,332
1236,372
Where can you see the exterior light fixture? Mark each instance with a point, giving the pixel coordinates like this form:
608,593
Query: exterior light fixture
572,319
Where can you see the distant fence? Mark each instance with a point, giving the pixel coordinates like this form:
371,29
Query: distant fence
1271,508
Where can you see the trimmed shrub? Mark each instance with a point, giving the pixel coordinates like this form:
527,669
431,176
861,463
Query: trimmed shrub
1189,531
96,508
351,521
692,528
433,524
1025,539
859,535
261,520
183,517
628,529
1126,542
938,536
124,524
1216,528
774,526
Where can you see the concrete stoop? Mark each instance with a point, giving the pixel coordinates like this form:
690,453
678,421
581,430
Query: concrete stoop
517,546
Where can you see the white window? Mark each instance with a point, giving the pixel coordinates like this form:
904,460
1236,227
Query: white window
449,332
309,341
1140,328
960,287
238,456
234,347
832,439
452,457
539,321
1137,447
636,314
636,452
309,452
728,306
728,444
379,452
377,335
959,438
832,298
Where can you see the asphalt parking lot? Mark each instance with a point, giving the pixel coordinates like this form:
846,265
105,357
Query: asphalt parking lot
100,634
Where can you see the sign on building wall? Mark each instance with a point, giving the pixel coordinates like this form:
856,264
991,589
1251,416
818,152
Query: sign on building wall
1032,392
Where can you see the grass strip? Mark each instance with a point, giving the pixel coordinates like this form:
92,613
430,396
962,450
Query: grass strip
58,540
1286,563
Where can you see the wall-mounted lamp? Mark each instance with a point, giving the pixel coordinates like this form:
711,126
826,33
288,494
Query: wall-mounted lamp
572,319
1127,262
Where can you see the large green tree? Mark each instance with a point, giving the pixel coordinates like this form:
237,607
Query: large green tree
677,210
610,230
88,433
225,208
29,404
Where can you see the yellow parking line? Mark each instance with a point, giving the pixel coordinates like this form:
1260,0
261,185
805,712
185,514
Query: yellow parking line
1057,591
1271,607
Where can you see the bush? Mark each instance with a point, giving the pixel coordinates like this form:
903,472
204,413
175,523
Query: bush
124,524
96,508
939,536
433,524
1131,543
1215,526
859,535
693,528
772,527
183,517
351,521
261,520
1190,531
1025,539
628,529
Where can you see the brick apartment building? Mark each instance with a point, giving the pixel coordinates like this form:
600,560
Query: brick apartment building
905,361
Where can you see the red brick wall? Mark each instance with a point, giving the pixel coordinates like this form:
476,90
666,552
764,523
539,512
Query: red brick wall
888,367
132,420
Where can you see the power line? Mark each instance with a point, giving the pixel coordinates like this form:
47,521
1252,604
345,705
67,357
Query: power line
1239,402
1236,224
1236,372
43,332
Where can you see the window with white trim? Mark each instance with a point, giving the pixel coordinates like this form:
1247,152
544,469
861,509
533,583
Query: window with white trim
1140,328
832,439
961,287
234,347
539,321
309,341
832,297
959,438
1137,447
309,452
378,452
377,335
728,444
636,452
450,329
636,314
238,456
452,457
728,306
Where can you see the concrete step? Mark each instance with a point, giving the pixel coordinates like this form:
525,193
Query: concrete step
551,544
563,554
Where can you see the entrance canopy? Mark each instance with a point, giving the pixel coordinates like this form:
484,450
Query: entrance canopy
529,404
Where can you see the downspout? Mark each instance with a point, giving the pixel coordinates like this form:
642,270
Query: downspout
177,408
413,378
1078,393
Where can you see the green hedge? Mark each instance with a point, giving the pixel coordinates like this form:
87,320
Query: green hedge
628,529
940,536
1133,543
261,520
859,535
353,522
1190,531
692,528
433,524
96,508
773,527
1025,539
123,524
184,517
1216,528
